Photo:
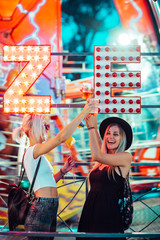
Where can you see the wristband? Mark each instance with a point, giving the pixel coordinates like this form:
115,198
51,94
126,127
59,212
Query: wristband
62,173
91,128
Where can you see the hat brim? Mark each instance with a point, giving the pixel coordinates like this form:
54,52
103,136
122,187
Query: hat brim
125,126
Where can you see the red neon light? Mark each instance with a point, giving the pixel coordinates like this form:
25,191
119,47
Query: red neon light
37,58
106,79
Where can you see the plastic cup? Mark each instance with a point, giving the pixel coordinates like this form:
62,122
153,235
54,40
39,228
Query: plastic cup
86,90
94,111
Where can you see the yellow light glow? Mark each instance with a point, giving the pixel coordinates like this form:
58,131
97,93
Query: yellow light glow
17,83
31,109
45,49
6,48
39,66
29,48
21,58
7,101
47,101
34,75
23,101
31,100
36,49
29,58
39,109
13,58
10,91
26,83
46,110
21,48
23,109
7,109
5,58
45,58
40,101
13,48
36,58
30,66
23,75
16,101
20,92
16,109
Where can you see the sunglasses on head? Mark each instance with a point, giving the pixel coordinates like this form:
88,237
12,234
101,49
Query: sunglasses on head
47,127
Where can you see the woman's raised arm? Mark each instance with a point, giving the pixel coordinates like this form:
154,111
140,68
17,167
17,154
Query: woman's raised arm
65,133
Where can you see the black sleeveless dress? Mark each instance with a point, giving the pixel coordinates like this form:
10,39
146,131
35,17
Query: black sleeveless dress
101,213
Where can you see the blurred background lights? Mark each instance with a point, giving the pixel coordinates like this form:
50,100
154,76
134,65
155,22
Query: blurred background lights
124,39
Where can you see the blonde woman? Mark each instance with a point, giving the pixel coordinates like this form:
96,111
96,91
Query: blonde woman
43,213
101,212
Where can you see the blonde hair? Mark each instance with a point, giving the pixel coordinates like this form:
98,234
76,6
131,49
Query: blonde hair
121,147
35,123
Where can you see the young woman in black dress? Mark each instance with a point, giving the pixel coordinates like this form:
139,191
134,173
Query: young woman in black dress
101,212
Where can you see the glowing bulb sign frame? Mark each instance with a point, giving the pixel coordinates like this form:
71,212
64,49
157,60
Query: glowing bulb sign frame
107,79
37,59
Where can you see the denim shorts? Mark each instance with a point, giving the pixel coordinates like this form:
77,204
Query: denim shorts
42,216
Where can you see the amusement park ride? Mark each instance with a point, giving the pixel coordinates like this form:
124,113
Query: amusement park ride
24,23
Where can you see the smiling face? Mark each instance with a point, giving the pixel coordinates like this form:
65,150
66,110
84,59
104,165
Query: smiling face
112,138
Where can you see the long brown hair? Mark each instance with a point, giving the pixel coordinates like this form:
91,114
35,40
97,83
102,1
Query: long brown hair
121,147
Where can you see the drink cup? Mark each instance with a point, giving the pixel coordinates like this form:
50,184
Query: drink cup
86,90
86,95
94,111
70,141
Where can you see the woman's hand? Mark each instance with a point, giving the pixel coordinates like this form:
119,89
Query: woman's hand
91,105
91,121
69,163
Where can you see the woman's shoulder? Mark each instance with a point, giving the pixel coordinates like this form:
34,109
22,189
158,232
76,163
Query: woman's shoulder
129,155
125,158
29,151
30,148
126,154
96,165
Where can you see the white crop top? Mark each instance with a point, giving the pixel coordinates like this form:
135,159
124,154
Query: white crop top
45,176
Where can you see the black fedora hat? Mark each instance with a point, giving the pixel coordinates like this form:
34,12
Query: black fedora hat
124,125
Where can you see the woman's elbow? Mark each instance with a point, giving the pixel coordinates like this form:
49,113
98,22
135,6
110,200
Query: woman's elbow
96,157
61,138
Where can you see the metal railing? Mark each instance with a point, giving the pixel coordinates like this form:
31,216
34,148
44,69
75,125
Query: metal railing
17,234
146,213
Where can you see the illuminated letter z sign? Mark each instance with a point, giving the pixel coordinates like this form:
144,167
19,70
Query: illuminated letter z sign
15,99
